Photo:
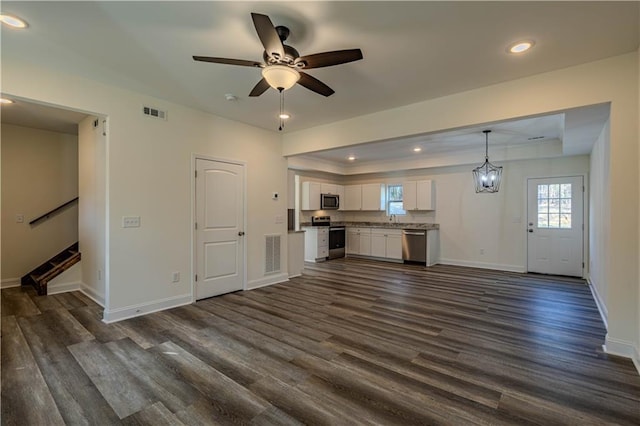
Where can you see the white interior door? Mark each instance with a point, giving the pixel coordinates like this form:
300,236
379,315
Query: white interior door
219,227
555,226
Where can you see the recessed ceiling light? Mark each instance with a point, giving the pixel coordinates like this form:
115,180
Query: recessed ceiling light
417,149
5,101
520,46
13,21
284,116
351,157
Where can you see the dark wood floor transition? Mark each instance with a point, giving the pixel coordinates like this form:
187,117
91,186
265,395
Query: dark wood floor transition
349,342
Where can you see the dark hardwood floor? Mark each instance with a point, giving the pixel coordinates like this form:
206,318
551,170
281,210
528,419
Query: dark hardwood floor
350,342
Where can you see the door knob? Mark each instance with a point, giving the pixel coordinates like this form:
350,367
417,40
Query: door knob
530,230
240,233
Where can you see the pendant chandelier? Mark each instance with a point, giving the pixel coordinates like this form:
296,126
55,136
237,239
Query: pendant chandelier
486,177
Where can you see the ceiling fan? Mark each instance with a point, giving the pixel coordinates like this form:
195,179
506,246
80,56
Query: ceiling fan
283,65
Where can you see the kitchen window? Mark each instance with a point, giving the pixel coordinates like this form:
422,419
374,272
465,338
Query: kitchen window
394,200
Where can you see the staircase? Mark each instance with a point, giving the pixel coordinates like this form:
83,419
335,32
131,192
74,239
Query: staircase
53,267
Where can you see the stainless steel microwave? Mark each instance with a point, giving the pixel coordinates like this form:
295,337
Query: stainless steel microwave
329,202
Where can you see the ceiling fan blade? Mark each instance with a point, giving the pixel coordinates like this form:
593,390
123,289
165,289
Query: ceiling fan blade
327,59
228,61
268,35
315,85
259,88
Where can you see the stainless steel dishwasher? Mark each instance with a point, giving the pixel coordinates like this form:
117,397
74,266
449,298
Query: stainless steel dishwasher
414,245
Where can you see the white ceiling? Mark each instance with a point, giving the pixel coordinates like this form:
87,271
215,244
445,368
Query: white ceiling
413,51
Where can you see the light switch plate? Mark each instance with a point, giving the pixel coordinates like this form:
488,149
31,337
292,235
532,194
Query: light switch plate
130,221
279,218
20,218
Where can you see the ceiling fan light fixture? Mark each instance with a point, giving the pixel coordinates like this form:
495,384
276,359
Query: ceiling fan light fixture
280,76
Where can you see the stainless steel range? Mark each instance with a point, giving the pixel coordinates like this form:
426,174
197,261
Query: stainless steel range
337,236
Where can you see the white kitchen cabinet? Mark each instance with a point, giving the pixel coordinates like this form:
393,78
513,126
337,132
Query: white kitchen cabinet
418,195
353,241
394,244
370,197
352,197
386,243
316,243
341,197
359,241
310,196
373,196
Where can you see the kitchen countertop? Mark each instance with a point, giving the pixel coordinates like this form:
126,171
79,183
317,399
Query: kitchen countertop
385,225
297,232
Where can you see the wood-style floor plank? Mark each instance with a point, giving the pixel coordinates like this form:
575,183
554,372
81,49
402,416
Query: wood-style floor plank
351,341
22,382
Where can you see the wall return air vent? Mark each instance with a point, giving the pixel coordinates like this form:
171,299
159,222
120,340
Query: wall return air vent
154,112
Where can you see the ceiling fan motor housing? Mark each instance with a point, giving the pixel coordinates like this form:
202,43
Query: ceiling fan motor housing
290,56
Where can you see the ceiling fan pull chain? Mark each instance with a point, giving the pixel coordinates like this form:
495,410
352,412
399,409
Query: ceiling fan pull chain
281,109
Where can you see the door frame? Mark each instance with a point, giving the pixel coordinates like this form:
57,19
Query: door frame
585,218
194,248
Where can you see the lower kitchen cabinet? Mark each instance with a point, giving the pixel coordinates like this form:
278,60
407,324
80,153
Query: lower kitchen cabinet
386,243
316,243
359,241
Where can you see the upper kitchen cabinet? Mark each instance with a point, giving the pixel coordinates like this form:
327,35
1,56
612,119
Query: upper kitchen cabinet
310,196
419,195
368,197
352,197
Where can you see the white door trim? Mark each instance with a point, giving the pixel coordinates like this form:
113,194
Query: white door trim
194,158
585,214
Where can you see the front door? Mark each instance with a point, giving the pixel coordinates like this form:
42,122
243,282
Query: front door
555,226
219,227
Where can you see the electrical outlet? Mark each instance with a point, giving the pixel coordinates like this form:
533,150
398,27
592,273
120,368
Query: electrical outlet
19,218
175,277
481,252
130,221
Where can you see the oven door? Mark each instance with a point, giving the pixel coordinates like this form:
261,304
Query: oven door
337,240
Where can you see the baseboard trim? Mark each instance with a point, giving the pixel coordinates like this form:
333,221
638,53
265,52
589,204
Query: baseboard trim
636,360
268,280
9,283
64,287
482,265
619,347
119,314
93,295
295,275
604,314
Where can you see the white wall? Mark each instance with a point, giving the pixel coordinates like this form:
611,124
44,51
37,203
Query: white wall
92,209
614,80
148,173
598,225
39,173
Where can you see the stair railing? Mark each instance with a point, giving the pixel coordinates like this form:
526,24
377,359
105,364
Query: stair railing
53,212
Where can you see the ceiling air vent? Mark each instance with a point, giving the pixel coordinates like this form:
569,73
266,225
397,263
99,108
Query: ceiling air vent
154,113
